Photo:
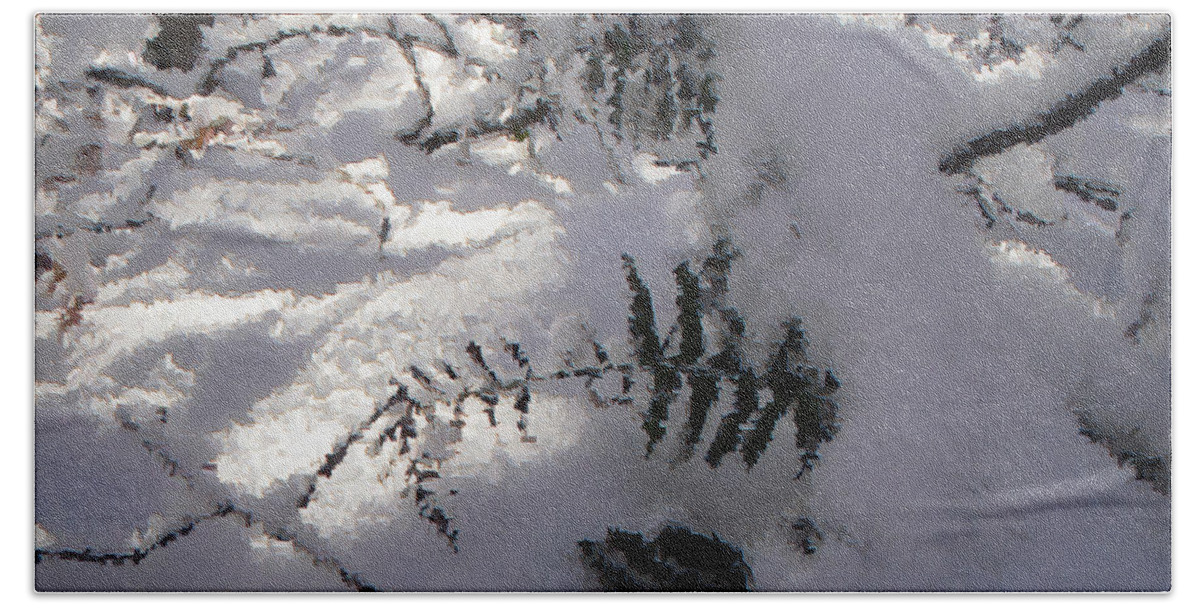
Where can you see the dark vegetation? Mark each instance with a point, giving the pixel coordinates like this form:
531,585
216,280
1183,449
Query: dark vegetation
794,384
676,560
1153,59
676,90
1153,469
179,42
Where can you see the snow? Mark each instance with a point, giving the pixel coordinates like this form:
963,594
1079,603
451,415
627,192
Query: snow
279,264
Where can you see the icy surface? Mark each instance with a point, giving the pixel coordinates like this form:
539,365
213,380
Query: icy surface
437,302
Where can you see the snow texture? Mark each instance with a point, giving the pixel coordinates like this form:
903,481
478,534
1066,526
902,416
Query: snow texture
574,302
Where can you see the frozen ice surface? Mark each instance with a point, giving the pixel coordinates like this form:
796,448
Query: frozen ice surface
456,302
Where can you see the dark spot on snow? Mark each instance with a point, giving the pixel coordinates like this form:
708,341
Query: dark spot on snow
88,159
806,536
268,67
439,139
677,560
179,42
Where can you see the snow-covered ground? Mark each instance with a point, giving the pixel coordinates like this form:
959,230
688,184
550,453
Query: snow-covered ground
365,301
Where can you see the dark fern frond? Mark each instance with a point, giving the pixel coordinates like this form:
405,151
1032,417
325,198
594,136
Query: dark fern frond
704,394
649,351
745,399
749,427
641,318
691,341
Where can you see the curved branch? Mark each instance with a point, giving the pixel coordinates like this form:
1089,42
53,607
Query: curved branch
1064,114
